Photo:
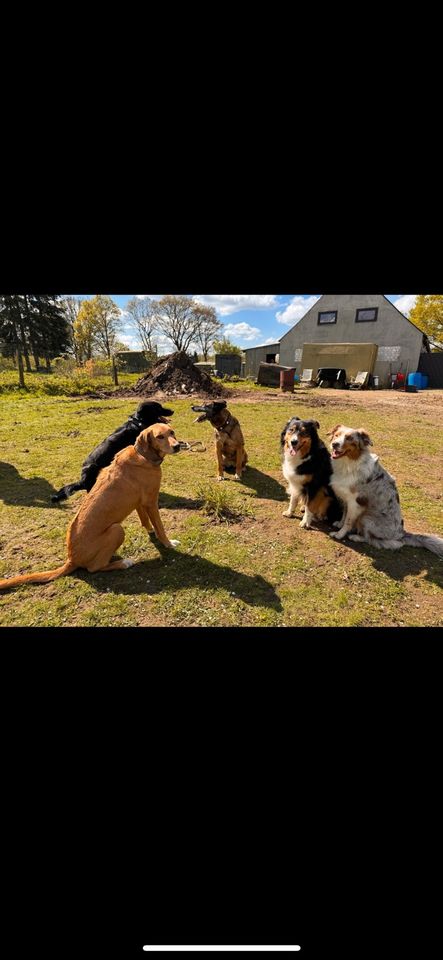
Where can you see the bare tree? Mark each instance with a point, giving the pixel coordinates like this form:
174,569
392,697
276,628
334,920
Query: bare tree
71,308
209,328
142,313
178,319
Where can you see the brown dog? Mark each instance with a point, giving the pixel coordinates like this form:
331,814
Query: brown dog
131,482
229,442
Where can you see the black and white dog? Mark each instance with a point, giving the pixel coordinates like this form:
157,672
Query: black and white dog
147,413
307,469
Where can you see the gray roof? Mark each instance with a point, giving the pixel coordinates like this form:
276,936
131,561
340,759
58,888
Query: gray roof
258,346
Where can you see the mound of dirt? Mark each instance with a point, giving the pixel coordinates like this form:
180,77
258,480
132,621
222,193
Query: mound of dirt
177,374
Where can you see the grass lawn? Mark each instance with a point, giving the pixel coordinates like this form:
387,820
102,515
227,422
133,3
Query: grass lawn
258,568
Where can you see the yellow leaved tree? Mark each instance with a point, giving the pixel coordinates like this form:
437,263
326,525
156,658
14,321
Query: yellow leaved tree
427,314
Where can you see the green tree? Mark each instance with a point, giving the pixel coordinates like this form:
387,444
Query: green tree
427,314
11,330
50,332
225,346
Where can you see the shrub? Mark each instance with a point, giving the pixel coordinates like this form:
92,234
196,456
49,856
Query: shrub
217,503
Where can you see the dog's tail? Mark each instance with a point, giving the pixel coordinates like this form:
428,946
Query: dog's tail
427,541
44,577
67,491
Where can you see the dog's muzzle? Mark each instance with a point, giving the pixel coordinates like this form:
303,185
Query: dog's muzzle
203,411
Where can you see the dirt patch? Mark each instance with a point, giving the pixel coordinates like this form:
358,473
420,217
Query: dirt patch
176,374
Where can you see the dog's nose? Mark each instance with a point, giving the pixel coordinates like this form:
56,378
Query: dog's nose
294,441
335,445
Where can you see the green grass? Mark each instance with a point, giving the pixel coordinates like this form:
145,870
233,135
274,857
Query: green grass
261,569
43,384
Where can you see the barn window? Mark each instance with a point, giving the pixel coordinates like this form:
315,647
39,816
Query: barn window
365,316
327,316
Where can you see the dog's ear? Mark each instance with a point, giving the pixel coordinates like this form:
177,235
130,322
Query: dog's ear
219,405
330,433
316,424
367,442
144,442
283,433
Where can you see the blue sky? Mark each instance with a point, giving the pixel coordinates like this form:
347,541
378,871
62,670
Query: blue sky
248,320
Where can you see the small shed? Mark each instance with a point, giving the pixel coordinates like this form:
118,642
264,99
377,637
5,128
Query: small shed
228,364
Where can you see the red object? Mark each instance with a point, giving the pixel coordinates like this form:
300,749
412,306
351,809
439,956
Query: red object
400,377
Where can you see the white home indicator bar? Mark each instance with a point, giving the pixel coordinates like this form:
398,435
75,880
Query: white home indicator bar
220,949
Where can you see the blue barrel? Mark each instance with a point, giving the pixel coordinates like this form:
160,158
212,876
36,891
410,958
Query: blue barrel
414,380
424,380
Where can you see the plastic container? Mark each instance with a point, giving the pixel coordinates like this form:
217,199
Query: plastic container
376,382
424,380
414,380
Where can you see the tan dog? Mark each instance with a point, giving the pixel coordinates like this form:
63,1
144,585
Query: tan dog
229,442
131,482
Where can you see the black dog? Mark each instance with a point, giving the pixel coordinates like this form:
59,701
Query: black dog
307,468
148,413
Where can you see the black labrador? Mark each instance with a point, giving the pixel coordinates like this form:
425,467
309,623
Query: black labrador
147,413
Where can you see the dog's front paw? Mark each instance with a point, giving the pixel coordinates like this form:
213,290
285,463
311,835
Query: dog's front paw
305,524
237,476
337,524
174,543
220,478
127,563
287,513
339,535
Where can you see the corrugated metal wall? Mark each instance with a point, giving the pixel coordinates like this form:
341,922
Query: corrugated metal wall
432,365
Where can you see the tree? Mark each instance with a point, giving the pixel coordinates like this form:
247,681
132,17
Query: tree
427,314
225,346
179,319
71,307
96,327
142,313
83,332
209,327
11,330
33,322
50,333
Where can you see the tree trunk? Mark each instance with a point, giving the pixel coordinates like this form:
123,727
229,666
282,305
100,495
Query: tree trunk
114,372
21,378
22,331
25,348
48,363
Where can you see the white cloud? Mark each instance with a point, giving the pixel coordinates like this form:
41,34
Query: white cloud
152,296
295,310
405,303
225,304
241,331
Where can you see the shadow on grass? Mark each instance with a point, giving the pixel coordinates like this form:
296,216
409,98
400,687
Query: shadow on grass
265,486
406,562
151,577
16,490
172,502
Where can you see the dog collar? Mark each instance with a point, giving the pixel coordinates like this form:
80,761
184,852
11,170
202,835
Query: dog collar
154,458
136,422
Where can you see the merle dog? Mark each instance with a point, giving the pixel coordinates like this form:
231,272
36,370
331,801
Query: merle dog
147,413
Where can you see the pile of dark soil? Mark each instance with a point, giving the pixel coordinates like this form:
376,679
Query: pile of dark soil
176,374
